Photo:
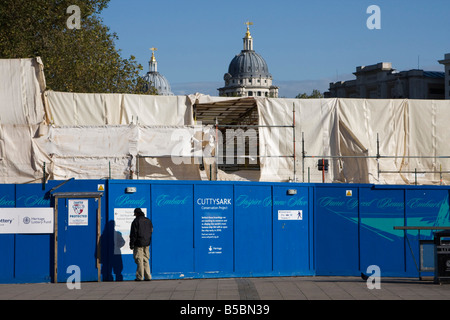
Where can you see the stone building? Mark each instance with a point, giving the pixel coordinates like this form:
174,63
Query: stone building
381,81
446,63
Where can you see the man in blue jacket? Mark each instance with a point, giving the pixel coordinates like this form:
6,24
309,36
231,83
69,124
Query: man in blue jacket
140,238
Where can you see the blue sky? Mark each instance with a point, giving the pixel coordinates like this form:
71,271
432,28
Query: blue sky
307,44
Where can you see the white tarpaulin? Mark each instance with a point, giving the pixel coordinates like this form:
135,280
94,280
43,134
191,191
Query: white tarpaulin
69,109
92,136
361,123
366,141
21,87
101,135
92,152
22,83
21,155
428,136
315,118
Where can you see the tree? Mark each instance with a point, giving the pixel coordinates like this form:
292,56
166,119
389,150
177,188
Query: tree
75,60
314,95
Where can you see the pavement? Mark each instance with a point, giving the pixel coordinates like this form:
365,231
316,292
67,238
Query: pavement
234,289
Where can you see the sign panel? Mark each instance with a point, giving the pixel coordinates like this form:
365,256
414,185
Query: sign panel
123,217
78,212
214,228
26,220
290,214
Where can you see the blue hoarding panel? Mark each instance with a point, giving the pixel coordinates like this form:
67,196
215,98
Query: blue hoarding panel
33,258
77,237
213,228
121,265
253,229
380,244
291,230
428,208
173,228
34,253
336,236
7,258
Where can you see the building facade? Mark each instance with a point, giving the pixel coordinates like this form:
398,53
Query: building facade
446,63
248,74
381,81
155,79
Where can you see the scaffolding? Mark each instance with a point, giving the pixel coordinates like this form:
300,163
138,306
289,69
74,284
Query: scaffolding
240,113
231,121
237,115
378,157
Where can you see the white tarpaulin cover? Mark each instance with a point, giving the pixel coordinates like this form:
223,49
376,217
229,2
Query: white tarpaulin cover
92,152
409,132
22,83
21,155
69,109
92,136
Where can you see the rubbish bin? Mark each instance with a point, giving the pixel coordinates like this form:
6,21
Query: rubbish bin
442,257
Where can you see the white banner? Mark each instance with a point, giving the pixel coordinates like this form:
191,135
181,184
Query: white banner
123,217
26,220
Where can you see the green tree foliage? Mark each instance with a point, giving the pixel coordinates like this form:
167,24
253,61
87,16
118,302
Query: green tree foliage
314,95
75,60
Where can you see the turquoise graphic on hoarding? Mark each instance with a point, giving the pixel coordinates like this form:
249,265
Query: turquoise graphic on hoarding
363,221
380,217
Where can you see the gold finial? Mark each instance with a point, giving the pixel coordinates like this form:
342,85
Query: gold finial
248,23
153,53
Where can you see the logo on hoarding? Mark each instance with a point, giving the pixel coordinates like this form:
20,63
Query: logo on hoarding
78,208
26,220
78,212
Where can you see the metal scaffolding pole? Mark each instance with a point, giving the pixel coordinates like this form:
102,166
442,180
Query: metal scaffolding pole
217,125
378,156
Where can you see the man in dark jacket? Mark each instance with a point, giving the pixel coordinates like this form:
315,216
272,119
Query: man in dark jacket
140,238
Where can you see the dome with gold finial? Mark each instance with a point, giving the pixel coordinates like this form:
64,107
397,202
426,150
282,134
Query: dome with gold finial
248,73
154,79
